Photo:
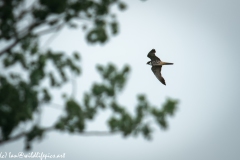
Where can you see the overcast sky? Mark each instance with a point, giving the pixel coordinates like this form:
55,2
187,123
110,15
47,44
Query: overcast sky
202,39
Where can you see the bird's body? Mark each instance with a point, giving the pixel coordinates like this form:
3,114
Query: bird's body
157,64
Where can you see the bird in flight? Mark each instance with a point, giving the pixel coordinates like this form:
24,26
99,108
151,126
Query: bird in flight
157,64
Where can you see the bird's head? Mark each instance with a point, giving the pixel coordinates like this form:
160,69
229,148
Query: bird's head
149,63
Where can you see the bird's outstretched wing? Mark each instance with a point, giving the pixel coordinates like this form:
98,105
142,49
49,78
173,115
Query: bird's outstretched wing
157,71
152,55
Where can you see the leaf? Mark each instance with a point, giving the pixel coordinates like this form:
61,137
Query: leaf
122,6
46,95
114,27
76,55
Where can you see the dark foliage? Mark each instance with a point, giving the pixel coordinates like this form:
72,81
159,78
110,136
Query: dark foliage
24,68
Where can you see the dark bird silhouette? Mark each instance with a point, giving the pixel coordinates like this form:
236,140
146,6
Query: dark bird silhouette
157,64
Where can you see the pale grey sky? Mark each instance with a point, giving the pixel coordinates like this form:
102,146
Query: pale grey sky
202,39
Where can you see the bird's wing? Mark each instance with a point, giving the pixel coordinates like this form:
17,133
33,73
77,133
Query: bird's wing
157,71
152,55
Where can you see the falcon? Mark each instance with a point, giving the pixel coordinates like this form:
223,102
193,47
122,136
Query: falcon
157,64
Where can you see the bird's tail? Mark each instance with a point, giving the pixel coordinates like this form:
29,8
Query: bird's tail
167,63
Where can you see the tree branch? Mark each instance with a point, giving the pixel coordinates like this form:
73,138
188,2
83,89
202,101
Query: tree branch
9,47
51,29
3,141
25,11
30,28
88,133
20,135
97,133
